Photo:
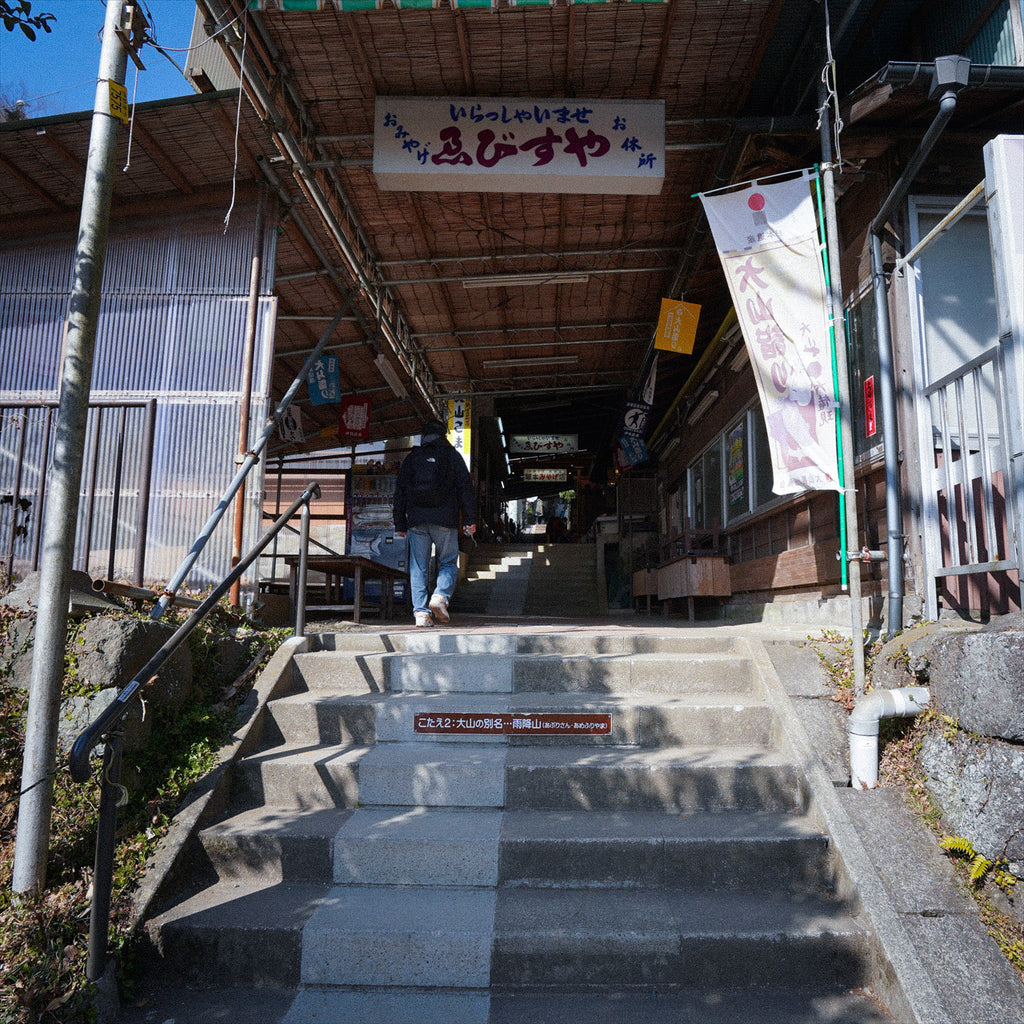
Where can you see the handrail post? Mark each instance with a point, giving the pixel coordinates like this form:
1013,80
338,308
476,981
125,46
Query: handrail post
109,724
103,866
300,597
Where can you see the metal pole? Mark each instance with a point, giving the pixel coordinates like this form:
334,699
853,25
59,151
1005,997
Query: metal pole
103,864
255,274
44,458
19,466
887,386
90,506
145,479
115,500
34,808
849,478
300,596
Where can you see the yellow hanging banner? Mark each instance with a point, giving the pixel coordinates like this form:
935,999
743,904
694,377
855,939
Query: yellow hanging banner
677,326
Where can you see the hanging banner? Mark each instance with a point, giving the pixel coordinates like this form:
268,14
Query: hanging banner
677,326
629,452
354,419
289,426
767,240
459,412
484,144
324,388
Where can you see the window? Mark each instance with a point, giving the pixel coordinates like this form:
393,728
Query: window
732,477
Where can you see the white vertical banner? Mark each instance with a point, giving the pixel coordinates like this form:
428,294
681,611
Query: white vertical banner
459,416
767,240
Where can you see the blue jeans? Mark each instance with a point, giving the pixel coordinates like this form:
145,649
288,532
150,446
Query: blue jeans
446,540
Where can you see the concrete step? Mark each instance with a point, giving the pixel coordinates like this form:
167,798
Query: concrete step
364,719
672,779
568,641
468,671
432,775
406,936
274,844
703,851
701,1005
556,777
298,776
633,673
241,933
665,937
418,846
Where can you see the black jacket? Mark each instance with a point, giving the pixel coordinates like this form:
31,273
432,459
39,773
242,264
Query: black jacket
458,494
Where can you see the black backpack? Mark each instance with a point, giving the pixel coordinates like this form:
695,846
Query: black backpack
431,481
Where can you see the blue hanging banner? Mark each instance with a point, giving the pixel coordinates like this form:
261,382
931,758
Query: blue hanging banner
324,388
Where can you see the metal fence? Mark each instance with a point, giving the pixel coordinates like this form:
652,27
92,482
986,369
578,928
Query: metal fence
114,499
968,505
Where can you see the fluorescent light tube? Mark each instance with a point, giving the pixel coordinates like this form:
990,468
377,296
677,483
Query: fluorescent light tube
387,371
491,364
523,280
702,406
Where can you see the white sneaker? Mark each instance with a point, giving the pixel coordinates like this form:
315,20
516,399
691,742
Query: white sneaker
424,619
439,607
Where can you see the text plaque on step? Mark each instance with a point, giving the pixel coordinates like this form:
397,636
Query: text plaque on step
514,724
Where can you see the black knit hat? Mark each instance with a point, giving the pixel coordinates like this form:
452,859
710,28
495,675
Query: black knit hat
434,427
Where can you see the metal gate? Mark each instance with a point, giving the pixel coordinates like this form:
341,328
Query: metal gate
969,517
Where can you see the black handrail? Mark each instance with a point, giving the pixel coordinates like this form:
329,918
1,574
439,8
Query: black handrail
110,724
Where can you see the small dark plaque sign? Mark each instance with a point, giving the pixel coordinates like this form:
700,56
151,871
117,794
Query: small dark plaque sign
514,724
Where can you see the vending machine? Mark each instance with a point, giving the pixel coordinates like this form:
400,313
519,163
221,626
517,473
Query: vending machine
370,523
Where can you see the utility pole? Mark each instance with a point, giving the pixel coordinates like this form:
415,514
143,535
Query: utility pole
65,476
850,542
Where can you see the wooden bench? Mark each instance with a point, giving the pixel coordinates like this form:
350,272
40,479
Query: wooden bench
693,566
338,568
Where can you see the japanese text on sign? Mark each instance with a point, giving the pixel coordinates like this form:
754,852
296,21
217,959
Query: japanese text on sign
544,444
520,145
514,723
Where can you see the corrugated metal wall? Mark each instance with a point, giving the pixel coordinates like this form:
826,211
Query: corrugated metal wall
992,43
171,327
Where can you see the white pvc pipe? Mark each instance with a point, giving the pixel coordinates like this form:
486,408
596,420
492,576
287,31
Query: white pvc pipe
863,728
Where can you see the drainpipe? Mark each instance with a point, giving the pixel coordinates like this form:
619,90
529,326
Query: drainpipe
949,75
863,728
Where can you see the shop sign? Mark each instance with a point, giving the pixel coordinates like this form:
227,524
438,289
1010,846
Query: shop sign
543,444
548,476
483,144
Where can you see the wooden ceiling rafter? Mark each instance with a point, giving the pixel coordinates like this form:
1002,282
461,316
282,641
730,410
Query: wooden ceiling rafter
30,185
71,159
160,159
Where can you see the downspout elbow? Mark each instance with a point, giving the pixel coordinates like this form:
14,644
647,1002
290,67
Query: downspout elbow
864,723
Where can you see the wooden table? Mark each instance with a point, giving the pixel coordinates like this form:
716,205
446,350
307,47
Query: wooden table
338,568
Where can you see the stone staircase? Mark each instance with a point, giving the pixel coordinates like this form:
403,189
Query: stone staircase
391,856
531,579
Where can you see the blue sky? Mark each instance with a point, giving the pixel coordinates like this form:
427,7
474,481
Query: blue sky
57,73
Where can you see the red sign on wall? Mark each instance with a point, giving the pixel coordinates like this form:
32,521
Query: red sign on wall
354,419
515,724
870,424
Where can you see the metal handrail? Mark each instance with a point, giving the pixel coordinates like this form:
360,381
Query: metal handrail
110,725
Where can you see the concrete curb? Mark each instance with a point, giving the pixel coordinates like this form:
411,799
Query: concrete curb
899,976
273,681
